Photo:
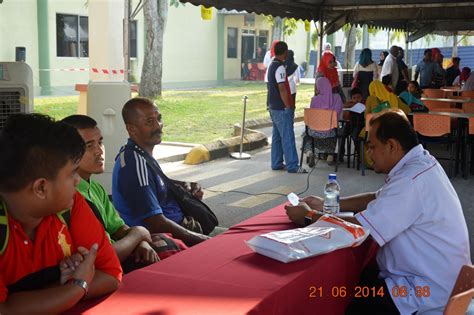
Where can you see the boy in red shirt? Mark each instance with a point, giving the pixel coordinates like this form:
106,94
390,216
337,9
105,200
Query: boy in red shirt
53,251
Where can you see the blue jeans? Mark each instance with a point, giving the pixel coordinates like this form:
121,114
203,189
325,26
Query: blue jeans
283,140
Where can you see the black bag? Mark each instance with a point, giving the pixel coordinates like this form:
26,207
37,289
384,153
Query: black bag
190,205
194,207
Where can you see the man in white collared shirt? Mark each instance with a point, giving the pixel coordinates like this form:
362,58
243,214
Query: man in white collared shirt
390,67
416,218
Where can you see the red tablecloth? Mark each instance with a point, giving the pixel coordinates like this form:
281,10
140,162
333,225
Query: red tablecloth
223,276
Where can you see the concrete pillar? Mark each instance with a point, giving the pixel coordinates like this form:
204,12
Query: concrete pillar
105,49
365,36
107,91
220,48
43,47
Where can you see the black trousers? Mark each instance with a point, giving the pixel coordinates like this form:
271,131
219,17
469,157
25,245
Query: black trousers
373,303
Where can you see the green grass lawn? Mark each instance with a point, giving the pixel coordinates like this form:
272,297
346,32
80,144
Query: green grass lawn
195,116
57,107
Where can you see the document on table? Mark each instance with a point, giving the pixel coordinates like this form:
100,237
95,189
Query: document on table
358,108
325,235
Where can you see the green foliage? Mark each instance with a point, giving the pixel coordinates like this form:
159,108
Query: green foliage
465,40
373,30
397,35
314,39
428,39
359,34
175,3
270,20
289,25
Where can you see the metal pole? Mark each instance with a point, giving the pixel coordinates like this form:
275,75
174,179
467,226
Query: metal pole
407,48
241,155
388,39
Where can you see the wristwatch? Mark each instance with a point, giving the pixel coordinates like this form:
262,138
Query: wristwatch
308,218
81,283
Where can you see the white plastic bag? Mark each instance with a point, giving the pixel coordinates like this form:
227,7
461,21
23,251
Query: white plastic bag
325,235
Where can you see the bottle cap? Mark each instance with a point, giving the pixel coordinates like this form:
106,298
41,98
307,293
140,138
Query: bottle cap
332,176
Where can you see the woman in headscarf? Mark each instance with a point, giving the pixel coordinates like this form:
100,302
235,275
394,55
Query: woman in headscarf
434,53
412,97
380,99
379,94
324,142
292,73
382,57
327,68
364,72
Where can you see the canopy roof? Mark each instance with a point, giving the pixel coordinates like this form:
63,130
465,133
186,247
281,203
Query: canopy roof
409,15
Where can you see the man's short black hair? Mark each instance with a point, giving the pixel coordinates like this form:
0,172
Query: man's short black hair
80,121
456,59
129,110
427,51
35,146
280,48
355,91
395,125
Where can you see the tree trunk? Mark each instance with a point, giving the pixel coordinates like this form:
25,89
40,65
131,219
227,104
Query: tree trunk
155,14
350,47
277,28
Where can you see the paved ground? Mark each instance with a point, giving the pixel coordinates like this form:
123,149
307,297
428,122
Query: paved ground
254,176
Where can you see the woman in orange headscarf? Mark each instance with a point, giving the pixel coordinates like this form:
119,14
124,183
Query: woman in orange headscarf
327,68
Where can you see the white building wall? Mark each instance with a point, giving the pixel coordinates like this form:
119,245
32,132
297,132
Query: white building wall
298,43
18,28
62,81
190,46
189,49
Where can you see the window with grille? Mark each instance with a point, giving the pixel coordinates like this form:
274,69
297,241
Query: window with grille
72,35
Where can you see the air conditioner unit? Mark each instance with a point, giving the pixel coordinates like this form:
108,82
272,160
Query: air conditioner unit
346,76
16,90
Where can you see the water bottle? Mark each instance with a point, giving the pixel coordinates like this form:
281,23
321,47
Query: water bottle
331,195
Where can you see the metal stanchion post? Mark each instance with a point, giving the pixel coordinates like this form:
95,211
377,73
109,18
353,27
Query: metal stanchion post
240,155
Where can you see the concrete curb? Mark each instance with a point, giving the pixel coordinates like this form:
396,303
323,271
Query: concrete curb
262,123
253,139
179,156
173,158
202,153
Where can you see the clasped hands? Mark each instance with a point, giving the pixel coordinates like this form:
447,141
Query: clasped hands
80,265
195,189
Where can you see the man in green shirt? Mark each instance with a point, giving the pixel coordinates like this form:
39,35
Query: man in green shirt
134,246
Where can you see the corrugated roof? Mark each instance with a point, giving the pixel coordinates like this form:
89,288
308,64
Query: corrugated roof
410,15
